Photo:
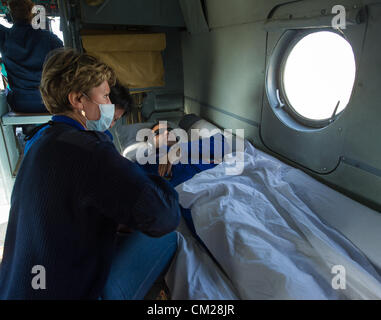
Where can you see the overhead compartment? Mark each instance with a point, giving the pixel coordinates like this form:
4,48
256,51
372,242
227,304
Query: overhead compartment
136,58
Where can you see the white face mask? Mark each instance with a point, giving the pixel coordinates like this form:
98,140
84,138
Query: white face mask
107,116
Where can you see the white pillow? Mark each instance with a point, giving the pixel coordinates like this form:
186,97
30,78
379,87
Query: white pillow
127,138
127,133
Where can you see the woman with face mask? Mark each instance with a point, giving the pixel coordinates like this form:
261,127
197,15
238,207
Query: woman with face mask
72,191
107,112
110,113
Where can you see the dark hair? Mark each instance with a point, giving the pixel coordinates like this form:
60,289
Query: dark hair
121,97
21,10
169,128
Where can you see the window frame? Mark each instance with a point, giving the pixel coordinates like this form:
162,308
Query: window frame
283,49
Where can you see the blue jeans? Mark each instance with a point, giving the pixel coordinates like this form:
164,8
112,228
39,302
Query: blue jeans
139,260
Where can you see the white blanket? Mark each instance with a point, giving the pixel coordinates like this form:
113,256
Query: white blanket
270,243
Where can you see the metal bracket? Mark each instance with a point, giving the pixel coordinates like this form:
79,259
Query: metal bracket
280,103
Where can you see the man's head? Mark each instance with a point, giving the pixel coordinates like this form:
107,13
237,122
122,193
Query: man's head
75,83
21,10
120,96
161,131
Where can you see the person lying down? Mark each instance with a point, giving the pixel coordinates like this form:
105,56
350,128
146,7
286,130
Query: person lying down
188,158
192,158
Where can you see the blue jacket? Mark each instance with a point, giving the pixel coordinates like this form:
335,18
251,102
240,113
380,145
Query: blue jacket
24,50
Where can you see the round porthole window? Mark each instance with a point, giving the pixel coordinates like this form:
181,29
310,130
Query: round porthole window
317,77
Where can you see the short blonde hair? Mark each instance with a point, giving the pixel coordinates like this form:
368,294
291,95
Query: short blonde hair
67,70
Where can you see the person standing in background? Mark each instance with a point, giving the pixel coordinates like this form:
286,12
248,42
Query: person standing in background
24,50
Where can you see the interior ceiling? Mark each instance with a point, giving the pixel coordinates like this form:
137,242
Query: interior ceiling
51,6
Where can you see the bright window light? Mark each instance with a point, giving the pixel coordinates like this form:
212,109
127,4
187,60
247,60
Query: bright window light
55,24
319,72
4,22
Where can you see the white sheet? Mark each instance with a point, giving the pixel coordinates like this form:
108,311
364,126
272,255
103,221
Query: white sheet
271,244
194,275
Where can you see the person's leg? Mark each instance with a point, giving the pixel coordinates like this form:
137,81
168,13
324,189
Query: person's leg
138,262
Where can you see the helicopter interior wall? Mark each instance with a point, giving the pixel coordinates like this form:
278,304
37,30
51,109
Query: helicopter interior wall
224,82
139,16
134,12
